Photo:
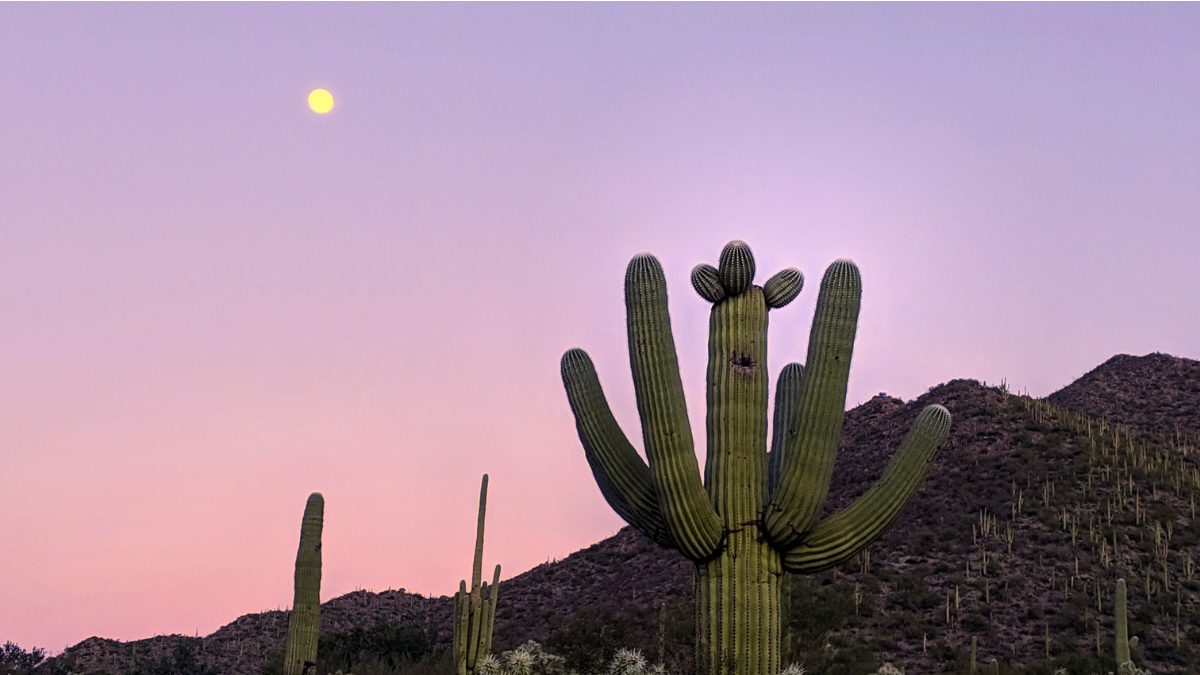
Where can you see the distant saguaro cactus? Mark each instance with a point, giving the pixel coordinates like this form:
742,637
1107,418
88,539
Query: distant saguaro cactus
475,611
756,513
305,620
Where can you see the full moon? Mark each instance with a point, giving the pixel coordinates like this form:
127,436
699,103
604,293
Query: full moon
321,101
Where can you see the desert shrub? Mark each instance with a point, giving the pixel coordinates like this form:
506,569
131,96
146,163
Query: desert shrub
17,661
387,648
592,638
181,661
531,659
390,643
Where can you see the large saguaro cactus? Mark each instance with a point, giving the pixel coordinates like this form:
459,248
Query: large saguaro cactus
475,612
756,513
1124,642
305,620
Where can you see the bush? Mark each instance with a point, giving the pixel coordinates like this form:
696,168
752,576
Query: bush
182,661
17,661
387,648
389,643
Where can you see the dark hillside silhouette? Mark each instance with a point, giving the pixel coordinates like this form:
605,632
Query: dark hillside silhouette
1031,512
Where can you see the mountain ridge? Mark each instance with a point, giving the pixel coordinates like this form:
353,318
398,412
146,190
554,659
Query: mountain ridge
1009,467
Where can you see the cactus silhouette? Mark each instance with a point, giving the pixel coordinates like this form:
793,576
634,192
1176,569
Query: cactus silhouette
754,516
475,611
305,620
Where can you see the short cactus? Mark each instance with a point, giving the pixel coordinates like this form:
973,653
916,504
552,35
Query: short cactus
304,622
475,611
755,514
527,659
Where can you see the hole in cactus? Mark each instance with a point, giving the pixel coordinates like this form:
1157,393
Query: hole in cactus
742,363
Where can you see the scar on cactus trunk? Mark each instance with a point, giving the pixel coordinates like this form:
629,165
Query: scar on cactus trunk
475,612
305,620
755,514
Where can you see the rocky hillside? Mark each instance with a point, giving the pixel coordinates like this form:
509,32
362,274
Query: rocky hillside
1030,514
1154,394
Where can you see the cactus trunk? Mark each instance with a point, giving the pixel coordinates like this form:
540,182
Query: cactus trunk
755,514
1124,643
739,591
304,622
738,598
1121,624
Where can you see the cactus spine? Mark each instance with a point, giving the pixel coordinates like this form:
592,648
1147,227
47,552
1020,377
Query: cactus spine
475,611
754,516
305,620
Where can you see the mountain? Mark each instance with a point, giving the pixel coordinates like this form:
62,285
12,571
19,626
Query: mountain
1154,394
1031,512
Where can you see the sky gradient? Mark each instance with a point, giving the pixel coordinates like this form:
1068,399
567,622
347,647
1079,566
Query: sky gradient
216,301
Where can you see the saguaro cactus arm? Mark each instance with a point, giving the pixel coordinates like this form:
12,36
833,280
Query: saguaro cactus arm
623,478
489,613
783,287
462,626
804,479
841,536
690,516
787,396
305,620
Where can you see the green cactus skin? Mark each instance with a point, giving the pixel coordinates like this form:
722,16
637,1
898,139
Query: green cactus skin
707,282
783,287
304,623
754,515
1124,642
736,267
475,611
974,643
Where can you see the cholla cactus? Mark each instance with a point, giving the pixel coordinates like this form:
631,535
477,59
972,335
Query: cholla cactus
793,669
627,662
889,669
519,662
489,665
528,659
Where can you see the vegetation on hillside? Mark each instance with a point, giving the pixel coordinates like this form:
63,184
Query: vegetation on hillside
1027,519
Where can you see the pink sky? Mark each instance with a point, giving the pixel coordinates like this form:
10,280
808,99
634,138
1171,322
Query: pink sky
216,302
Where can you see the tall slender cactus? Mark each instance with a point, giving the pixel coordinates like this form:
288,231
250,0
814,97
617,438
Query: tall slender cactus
304,623
755,514
475,611
1124,642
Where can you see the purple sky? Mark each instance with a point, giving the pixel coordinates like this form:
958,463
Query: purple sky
215,301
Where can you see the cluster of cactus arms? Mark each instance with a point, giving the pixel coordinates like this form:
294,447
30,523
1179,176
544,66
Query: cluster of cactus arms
475,611
304,623
756,513
1124,642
